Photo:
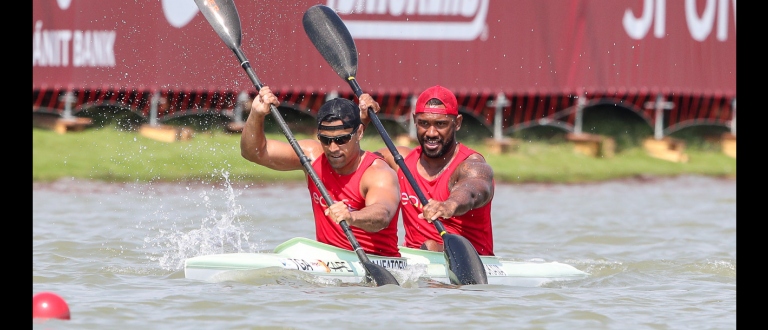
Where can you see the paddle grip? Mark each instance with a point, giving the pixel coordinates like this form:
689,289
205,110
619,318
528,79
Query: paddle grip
223,17
284,127
393,150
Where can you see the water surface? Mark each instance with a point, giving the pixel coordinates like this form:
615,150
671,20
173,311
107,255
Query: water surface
661,254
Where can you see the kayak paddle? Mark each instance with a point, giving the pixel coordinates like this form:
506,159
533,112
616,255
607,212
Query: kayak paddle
333,40
223,17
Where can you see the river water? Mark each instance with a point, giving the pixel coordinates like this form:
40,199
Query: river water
661,254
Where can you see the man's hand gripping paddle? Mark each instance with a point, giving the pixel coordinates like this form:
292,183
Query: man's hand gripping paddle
333,40
223,17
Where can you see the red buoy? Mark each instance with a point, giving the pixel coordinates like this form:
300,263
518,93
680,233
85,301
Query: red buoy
50,306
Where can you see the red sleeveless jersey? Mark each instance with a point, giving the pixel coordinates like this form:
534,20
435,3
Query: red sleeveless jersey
347,188
475,225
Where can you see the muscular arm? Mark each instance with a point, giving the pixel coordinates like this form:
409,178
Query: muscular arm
471,186
382,195
274,154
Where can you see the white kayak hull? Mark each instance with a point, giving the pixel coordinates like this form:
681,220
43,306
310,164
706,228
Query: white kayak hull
327,261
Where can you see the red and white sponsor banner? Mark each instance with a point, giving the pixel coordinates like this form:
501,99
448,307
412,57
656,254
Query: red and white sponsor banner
469,46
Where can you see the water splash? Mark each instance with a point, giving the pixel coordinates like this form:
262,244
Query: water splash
218,233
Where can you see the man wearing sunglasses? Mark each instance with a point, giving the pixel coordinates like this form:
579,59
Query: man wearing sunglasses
456,180
362,185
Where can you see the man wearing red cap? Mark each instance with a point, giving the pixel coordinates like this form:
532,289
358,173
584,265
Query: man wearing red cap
363,187
456,180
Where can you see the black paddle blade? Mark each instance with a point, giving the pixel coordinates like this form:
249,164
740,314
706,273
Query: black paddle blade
334,42
332,39
379,275
223,17
464,264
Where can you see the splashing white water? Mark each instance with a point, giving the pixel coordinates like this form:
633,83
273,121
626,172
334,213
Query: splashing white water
218,233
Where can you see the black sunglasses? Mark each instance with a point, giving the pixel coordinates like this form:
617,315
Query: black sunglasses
339,140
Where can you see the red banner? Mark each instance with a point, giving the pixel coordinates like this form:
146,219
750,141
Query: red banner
469,46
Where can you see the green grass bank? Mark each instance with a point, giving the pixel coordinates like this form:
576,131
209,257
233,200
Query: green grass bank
114,155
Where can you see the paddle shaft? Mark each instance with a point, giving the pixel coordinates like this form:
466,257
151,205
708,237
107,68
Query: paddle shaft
302,157
464,262
223,17
332,39
393,149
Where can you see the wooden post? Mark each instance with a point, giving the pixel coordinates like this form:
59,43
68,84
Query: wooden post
660,146
154,104
164,133
581,102
411,124
594,145
242,100
237,123
733,116
499,144
331,95
728,141
660,105
68,99
500,103
409,138
68,122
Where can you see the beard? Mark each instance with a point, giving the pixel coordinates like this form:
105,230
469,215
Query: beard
439,152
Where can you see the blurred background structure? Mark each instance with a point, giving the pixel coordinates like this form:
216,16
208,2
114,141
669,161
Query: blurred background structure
513,65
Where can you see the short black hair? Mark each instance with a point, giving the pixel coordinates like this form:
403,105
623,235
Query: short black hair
339,109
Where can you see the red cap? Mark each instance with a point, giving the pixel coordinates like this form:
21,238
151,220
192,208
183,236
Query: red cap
441,93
